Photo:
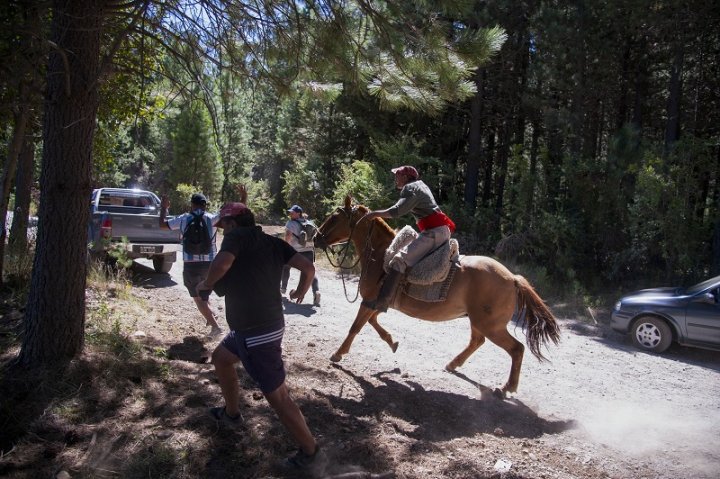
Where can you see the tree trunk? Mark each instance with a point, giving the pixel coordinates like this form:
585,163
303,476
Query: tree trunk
672,127
23,186
532,172
488,165
474,146
8,174
715,261
641,87
622,98
55,314
503,153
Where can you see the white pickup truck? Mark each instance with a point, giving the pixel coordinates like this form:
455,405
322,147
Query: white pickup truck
118,214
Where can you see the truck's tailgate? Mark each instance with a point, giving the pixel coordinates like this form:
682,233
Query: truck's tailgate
141,229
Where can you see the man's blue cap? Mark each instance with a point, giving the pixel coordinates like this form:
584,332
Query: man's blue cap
295,209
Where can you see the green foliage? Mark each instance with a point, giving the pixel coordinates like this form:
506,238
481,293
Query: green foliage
259,200
117,251
359,180
194,153
303,188
670,237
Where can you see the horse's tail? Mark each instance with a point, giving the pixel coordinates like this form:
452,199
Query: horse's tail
537,320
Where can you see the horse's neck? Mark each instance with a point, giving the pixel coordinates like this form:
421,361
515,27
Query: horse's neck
375,236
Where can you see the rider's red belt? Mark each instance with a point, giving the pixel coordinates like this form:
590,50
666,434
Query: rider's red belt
435,220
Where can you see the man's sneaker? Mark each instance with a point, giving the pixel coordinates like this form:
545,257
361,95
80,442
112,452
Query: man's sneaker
314,464
221,415
215,332
316,298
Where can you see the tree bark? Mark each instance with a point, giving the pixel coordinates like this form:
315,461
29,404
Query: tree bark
55,313
672,128
21,120
18,243
488,168
474,146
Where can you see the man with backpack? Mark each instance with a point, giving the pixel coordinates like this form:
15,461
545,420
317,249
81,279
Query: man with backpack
199,249
298,234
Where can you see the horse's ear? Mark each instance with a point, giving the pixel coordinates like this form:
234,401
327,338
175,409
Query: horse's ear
348,202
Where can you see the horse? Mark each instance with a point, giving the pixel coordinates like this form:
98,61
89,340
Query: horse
482,289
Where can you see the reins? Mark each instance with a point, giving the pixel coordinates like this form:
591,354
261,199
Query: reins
345,251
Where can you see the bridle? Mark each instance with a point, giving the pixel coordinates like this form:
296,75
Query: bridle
345,249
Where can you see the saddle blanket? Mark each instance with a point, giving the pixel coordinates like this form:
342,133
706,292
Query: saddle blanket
430,278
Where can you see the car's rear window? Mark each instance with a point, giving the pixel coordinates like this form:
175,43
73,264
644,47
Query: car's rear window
132,200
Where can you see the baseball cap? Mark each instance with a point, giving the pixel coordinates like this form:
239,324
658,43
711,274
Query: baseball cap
198,199
407,170
233,209
295,209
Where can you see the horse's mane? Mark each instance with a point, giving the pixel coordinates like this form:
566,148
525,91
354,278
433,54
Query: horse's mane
381,222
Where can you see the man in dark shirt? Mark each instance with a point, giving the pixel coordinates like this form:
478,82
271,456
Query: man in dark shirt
247,271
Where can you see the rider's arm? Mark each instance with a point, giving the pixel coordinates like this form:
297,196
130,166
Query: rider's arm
403,206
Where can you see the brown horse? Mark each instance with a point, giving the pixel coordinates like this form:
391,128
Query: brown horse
482,289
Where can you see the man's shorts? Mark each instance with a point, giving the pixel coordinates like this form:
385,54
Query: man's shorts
261,356
193,273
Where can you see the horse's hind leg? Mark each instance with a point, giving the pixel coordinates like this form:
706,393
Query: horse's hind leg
363,315
387,337
515,349
476,340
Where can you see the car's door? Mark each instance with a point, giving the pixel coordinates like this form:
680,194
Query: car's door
703,318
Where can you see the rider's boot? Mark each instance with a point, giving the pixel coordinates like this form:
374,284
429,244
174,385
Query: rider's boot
387,292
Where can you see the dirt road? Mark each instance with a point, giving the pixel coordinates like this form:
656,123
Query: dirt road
599,408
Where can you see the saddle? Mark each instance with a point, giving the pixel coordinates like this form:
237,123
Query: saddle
430,278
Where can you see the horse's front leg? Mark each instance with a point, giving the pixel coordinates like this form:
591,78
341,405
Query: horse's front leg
362,317
387,337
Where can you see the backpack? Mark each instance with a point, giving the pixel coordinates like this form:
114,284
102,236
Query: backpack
196,237
307,232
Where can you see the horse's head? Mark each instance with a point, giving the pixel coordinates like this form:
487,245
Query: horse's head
339,226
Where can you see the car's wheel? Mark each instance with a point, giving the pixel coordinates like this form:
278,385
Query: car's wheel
162,265
651,334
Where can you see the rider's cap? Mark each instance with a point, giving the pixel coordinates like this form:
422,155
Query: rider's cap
295,209
198,199
407,170
233,209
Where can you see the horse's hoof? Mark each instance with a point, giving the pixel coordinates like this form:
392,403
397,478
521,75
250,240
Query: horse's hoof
450,368
394,346
336,358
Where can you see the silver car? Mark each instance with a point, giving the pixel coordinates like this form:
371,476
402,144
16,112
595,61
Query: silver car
657,317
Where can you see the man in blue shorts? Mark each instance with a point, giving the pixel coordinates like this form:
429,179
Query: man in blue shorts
247,271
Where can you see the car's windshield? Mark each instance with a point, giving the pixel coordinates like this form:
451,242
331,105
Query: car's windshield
701,286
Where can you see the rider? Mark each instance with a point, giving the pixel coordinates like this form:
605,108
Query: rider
435,229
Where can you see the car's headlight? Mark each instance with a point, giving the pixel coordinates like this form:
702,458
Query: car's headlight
618,305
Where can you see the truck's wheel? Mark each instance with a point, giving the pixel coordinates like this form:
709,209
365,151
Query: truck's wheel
162,265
